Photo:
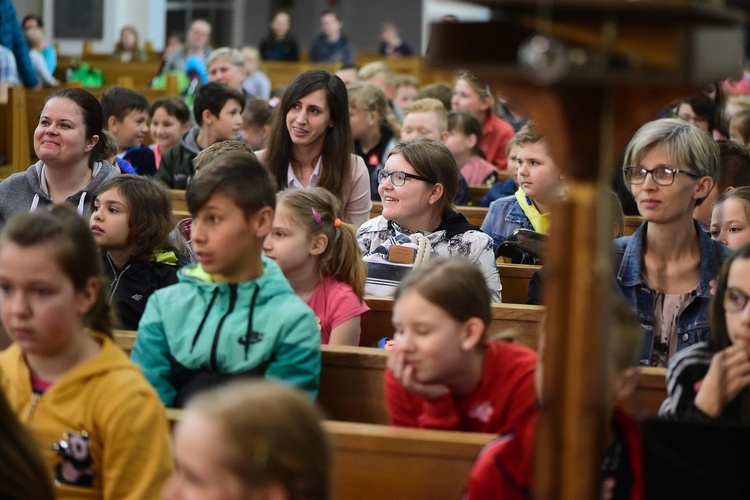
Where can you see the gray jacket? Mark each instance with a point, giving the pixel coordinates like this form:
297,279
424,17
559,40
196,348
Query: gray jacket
25,191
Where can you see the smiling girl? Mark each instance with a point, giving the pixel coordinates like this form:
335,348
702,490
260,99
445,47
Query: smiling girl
443,373
418,221
170,118
311,144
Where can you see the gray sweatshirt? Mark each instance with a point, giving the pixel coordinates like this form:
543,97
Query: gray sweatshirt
25,191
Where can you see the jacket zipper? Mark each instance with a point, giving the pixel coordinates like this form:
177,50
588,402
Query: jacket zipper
116,281
232,300
34,401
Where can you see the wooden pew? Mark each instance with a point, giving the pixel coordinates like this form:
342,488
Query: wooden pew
371,461
178,200
515,279
16,144
281,73
475,215
477,193
632,222
513,321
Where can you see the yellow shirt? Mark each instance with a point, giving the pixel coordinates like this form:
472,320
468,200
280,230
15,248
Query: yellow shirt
540,222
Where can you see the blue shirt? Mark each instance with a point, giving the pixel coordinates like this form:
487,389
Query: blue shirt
341,50
12,37
504,217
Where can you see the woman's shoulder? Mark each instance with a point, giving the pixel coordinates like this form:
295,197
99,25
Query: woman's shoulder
378,223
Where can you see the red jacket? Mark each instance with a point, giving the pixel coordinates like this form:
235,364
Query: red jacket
504,467
496,134
505,391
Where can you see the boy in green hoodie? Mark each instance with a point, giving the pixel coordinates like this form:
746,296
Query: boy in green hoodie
233,314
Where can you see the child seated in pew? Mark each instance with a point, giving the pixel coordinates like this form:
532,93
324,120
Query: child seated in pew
100,425
374,129
250,439
125,117
131,218
443,372
233,314
109,153
218,114
256,123
464,134
710,380
418,221
319,255
730,218
508,187
504,468
428,118
541,184
170,118
406,92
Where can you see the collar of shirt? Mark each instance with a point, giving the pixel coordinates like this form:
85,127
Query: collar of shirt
293,182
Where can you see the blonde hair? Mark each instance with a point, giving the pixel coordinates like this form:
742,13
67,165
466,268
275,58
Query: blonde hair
272,435
368,97
215,150
233,56
741,124
318,212
430,105
371,69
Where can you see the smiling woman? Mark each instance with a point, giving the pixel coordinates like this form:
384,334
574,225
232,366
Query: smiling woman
417,185
665,267
67,143
311,144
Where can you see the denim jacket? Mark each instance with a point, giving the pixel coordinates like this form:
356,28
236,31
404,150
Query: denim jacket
504,217
692,324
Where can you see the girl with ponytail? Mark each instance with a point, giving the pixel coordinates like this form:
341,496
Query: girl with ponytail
320,258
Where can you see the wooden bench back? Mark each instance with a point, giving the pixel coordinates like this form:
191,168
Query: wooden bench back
15,143
515,279
475,215
632,222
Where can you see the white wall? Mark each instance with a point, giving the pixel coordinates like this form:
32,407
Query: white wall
148,17
433,10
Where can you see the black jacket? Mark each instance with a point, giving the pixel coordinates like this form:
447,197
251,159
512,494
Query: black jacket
131,286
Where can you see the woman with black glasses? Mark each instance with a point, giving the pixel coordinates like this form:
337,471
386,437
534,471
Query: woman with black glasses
418,222
710,379
665,268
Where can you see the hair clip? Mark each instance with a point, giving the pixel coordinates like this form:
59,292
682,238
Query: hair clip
337,222
316,215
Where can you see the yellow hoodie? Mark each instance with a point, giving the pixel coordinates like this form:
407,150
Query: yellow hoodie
105,414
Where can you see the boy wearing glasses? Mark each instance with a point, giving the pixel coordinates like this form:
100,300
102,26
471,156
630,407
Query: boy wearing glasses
540,186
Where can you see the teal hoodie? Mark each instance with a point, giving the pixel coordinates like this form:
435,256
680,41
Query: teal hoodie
198,333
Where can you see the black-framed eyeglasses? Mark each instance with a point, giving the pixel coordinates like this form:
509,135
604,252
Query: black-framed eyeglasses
735,299
663,176
398,177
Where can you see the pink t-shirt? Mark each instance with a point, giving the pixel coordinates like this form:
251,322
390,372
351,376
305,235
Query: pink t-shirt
333,303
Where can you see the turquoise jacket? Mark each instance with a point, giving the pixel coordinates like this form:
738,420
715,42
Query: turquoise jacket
197,333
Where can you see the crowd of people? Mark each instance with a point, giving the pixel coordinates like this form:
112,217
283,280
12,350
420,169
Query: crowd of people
280,250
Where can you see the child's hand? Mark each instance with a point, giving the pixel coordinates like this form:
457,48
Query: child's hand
727,375
406,374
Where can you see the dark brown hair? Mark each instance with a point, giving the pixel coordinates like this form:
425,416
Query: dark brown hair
149,205
60,227
468,124
431,159
237,174
337,145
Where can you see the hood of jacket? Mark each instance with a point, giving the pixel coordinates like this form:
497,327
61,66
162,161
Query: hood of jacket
37,183
189,140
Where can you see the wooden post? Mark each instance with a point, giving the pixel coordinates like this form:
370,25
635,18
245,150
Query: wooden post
621,62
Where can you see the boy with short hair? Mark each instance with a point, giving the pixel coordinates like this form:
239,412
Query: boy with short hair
428,118
218,115
233,314
541,184
126,117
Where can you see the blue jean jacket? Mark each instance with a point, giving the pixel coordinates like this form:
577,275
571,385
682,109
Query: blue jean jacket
692,324
504,217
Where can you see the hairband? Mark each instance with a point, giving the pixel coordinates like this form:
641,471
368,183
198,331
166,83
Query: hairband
337,222
316,215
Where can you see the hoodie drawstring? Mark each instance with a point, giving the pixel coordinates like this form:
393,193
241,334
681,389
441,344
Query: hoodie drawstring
81,203
205,315
249,336
34,203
